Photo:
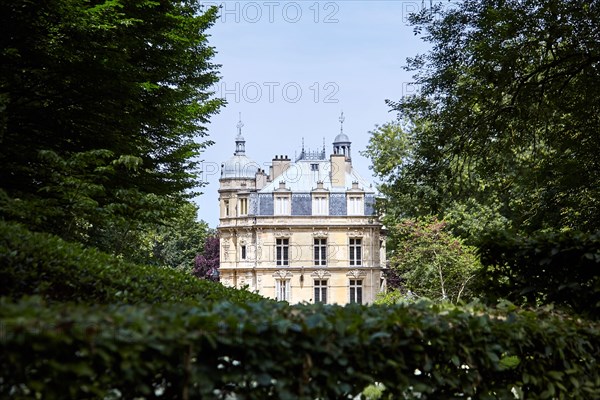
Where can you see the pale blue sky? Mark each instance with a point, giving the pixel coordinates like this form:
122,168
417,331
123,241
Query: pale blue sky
291,67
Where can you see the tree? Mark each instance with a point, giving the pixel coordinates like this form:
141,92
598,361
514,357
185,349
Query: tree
206,265
413,186
174,243
102,105
506,124
431,262
177,244
503,142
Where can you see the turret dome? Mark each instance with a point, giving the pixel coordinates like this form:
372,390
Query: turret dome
239,167
341,138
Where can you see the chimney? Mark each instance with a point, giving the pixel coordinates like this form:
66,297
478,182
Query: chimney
279,166
338,170
261,179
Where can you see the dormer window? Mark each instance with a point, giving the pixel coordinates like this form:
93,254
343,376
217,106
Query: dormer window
314,167
320,204
356,205
282,205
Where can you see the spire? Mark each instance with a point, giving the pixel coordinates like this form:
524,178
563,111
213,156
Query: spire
240,125
341,143
240,143
302,153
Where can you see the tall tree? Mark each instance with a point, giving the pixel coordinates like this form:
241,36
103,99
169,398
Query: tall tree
102,105
504,137
507,121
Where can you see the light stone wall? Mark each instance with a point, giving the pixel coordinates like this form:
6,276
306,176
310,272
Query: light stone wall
260,272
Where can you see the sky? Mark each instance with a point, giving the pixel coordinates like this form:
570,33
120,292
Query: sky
292,67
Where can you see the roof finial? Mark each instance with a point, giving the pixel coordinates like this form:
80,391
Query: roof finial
342,119
240,143
240,125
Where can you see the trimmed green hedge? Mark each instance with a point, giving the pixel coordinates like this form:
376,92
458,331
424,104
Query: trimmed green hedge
270,350
45,265
562,268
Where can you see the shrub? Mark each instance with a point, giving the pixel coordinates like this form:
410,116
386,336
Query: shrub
270,350
45,265
561,268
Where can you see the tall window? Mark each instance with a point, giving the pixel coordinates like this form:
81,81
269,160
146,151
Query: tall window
355,205
320,291
282,251
243,251
355,246
320,205
282,289
320,251
226,207
282,205
356,291
243,206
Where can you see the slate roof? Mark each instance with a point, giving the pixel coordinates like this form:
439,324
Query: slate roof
301,177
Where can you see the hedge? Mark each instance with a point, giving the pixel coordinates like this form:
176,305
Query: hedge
41,264
562,268
269,350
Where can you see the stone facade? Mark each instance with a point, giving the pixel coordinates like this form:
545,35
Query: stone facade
303,232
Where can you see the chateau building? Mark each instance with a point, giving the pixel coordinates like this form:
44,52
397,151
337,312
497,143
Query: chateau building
305,231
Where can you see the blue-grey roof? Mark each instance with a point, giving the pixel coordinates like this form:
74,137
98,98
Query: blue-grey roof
239,167
300,177
341,138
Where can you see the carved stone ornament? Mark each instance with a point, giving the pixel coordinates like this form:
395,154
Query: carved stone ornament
355,233
320,273
226,281
226,251
282,274
355,273
318,234
282,234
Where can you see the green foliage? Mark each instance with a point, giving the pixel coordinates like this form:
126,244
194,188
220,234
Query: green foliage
174,243
394,296
373,392
562,268
267,350
391,149
432,263
502,140
504,129
413,186
103,107
45,265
